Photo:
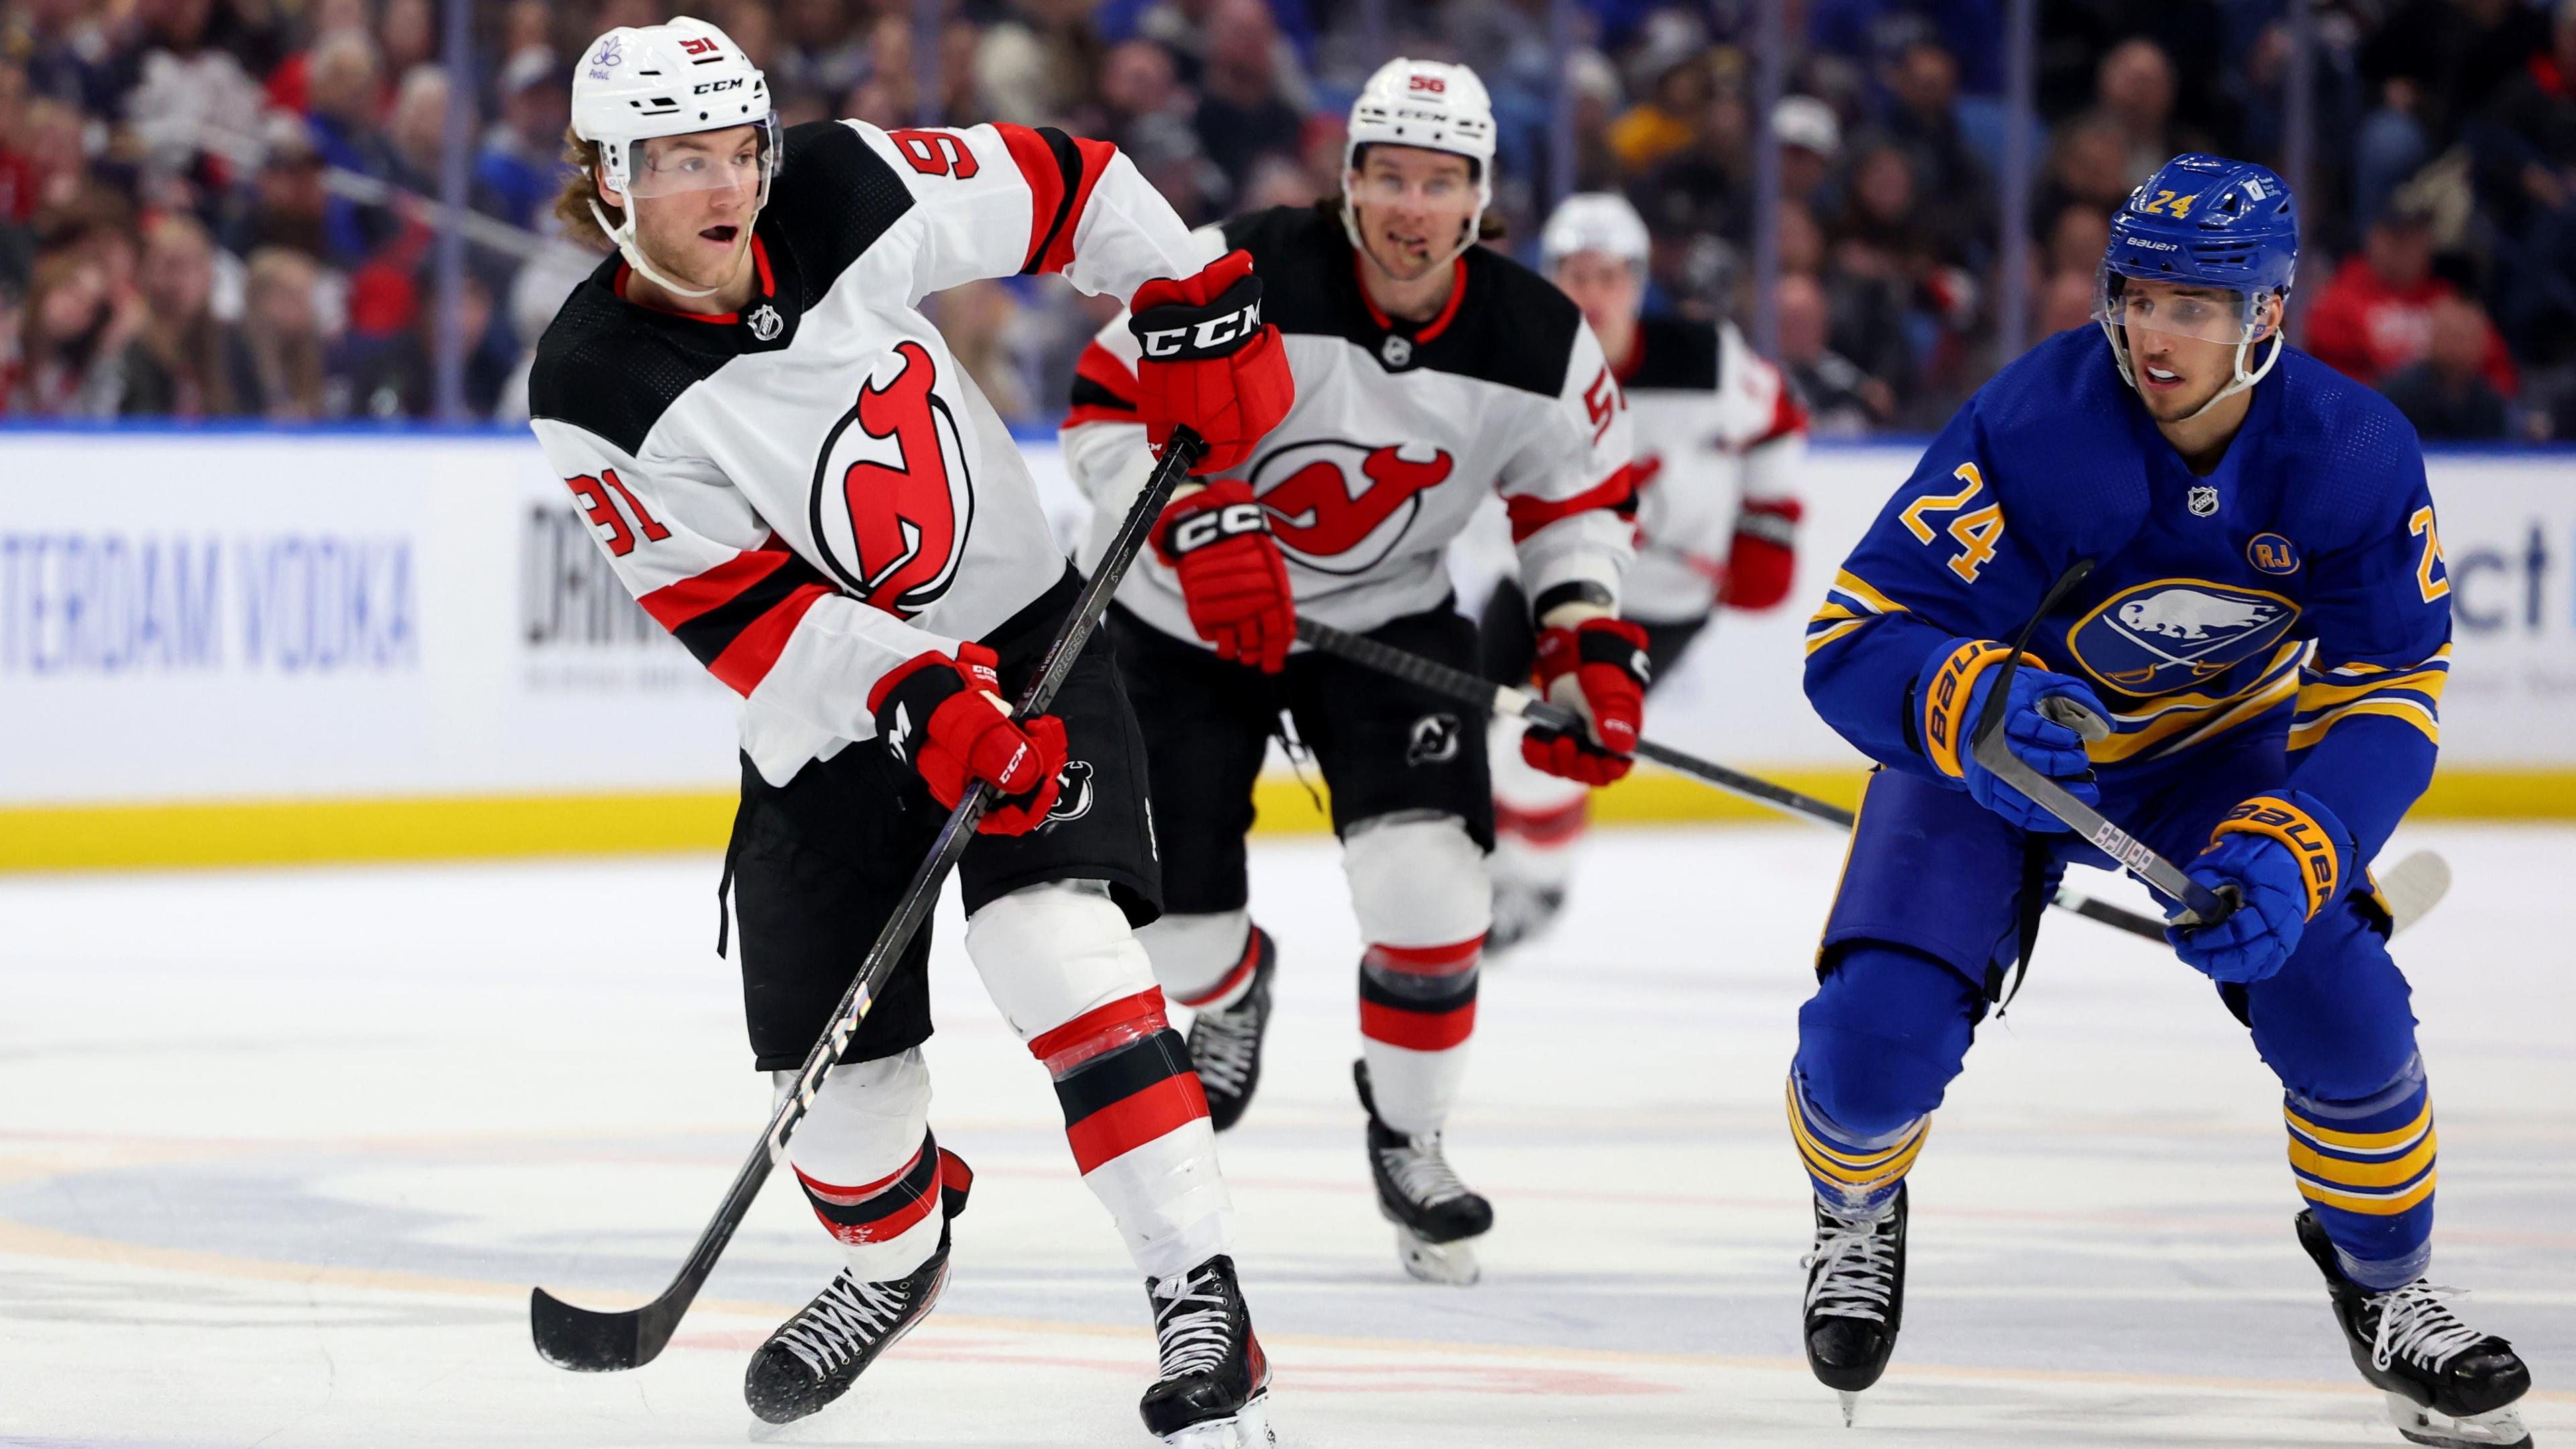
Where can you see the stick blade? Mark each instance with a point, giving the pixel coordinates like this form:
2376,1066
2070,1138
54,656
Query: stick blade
587,1342
2413,887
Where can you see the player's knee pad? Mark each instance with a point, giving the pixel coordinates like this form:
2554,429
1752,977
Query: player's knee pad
869,1166
1417,880
2337,1021
1049,953
2366,1164
1201,960
1882,1037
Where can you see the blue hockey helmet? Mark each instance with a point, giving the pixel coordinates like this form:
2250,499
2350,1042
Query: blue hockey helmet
2228,231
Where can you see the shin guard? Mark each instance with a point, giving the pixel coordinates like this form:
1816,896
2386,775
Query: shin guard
1138,1125
1857,1175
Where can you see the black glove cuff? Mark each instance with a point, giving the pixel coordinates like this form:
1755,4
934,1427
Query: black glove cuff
1178,332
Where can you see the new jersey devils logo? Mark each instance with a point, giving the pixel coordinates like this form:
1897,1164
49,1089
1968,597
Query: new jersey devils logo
1340,507
899,478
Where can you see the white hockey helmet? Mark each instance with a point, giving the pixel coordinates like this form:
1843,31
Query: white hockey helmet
1430,104
641,83
1594,221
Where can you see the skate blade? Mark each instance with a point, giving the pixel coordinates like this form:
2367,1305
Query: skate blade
1248,1429
1851,1405
1451,1264
2495,1429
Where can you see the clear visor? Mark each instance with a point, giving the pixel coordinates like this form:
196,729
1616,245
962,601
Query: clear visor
2210,314
742,156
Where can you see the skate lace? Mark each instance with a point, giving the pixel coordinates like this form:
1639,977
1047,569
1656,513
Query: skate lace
1854,1267
1421,1170
1226,1042
834,1327
1194,1340
2414,1323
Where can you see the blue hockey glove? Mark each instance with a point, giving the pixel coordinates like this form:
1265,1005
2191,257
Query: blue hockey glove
2287,855
1952,690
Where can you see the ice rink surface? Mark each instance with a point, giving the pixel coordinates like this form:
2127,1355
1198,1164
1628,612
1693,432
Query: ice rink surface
281,1154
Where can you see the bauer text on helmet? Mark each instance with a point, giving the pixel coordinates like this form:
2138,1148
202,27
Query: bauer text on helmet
680,116
2200,263
1424,105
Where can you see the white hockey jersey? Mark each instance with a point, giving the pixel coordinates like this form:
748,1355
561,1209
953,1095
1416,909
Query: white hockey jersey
1398,432
812,492
1719,437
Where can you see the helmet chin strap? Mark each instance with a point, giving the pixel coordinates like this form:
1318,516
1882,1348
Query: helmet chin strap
2243,379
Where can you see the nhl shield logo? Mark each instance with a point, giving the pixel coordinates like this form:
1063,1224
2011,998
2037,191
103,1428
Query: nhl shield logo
2175,633
765,322
1397,351
2203,501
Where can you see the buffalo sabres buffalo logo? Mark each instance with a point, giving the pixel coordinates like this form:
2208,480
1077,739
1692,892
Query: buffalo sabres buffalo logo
1340,507
1434,740
1073,794
891,500
2176,632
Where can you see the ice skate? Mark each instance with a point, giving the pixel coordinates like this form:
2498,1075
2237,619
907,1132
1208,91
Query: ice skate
1436,1218
1214,1387
1523,911
1225,1042
815,1356
1855,1297
2447,1383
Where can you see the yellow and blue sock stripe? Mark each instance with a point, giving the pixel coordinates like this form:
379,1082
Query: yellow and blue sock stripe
1855,1173
2367,1168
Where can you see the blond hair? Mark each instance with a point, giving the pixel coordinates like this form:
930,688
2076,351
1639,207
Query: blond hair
573,203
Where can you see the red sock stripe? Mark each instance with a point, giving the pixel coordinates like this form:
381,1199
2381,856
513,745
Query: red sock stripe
1133,1121
1129,1018
1235,974
1421,1031
882,1211
1544,827
1446,960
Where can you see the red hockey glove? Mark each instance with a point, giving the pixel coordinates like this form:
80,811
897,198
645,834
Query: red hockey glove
1208,361
946,718
1232,575
1598,669
1764,557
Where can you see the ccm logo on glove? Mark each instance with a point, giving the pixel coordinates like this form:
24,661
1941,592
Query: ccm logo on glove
1201,529
1173,333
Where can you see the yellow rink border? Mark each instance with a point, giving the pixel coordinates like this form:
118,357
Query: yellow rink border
465,827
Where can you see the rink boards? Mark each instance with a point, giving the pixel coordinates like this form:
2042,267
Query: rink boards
252,646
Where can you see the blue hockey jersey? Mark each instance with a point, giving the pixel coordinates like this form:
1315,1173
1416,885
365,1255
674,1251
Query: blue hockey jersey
2297,591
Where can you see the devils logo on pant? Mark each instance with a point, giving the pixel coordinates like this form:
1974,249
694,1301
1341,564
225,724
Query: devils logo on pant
1340,507
899,479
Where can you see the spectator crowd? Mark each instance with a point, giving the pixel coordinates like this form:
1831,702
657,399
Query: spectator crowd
220,208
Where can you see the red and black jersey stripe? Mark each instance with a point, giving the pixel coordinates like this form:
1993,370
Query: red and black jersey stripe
1618,493
1060,170
737,616
879,1211
1421,997
1104,389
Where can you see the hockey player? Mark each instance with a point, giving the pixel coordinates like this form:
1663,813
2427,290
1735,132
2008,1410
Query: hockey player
1718,440
2266,630
1430,372
792,473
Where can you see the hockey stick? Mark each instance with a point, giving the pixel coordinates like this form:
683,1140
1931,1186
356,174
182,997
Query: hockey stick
1502,699
2201,905
588,1341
